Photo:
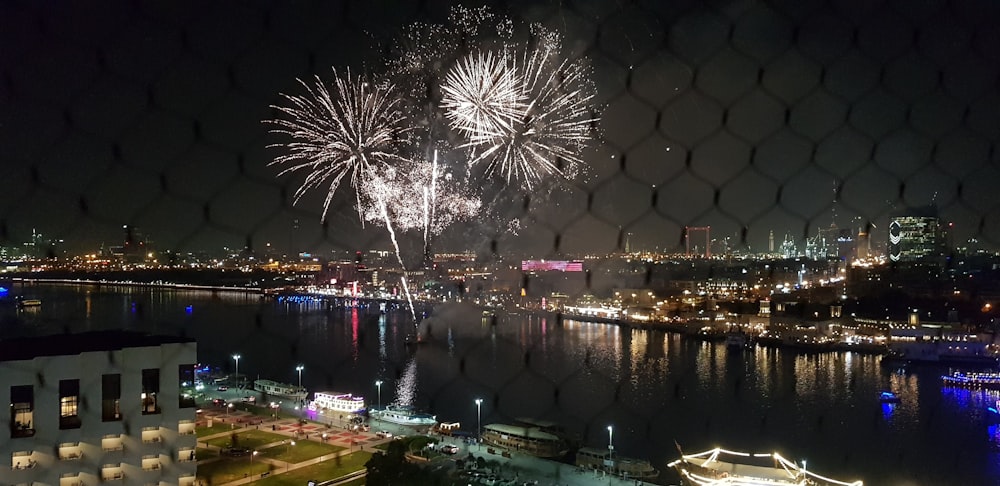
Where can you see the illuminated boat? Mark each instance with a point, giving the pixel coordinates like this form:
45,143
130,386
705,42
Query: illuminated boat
24,302
888,397
987,379
527,439
403,416
269,387
624,467
719,467
333,402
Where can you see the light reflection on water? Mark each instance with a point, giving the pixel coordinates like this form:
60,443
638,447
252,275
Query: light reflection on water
654,387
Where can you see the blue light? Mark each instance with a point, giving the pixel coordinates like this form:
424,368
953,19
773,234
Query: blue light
992,409
887,409
189,309
3,290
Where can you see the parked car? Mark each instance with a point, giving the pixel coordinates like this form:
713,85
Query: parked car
236,451
383,433
223,388
449,449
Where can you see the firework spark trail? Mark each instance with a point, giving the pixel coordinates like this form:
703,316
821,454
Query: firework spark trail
429,212
353,131
395,244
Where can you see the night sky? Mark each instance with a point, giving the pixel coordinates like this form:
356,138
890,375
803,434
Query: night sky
746,116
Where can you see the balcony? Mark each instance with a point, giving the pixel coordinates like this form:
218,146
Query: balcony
70,451
112,476
22,460
152,439
187,455
186,428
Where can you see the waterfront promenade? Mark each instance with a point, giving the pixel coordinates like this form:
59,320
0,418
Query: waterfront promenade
517,469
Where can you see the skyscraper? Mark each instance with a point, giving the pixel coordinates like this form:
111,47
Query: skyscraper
915,235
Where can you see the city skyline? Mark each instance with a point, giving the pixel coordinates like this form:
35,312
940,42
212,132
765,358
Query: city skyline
744,117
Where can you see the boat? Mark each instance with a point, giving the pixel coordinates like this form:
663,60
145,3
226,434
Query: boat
280,389
526,439
719,467
23,302
737,341
624,467
888,397
403,416
938,347
988,379
334,402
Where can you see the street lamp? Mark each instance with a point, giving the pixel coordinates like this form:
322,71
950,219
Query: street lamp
237,358
479,422
378,384
299,368
228,408
611,447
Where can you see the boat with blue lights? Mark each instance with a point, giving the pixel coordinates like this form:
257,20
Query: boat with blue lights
989,380
888,397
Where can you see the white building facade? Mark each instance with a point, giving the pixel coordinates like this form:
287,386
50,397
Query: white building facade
106,407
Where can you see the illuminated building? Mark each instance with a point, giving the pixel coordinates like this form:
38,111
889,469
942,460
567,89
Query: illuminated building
98,406
915,236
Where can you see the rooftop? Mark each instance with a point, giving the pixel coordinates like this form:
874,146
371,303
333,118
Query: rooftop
27,348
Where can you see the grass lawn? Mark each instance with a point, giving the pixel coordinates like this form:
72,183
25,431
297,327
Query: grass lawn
203,453
323,471
302,450
216,428
249,438
230,469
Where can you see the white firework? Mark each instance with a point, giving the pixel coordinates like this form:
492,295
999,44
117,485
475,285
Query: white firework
545,124
353,129
482,97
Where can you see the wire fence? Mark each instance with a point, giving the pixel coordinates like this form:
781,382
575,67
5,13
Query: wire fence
749,124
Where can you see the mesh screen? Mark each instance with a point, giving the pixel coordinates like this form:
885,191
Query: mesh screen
765,121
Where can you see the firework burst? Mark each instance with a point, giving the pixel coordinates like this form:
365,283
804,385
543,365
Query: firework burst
524,116
353,130
418,196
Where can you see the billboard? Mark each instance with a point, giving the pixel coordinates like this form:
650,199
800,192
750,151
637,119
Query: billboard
551,266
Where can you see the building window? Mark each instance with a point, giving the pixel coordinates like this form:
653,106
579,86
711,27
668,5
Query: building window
150,388
111,397
69,402
186,376
22,411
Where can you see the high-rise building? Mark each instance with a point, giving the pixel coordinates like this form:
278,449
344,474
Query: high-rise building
916,236
98,406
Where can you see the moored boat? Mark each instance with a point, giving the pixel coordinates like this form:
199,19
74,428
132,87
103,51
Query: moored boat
718,467
987,379
526,439
334,402
270,387
737,341
624,467
25,302
403,416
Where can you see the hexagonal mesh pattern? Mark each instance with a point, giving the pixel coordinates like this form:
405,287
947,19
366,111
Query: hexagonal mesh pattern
749,117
